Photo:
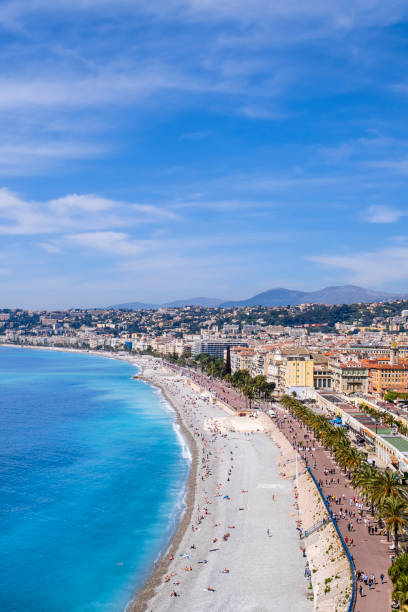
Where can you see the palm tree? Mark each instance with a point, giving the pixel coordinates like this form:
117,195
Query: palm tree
388,419
364,479
387,484
394,513
334,437
400,593
248,392
399,568
352,458
355,459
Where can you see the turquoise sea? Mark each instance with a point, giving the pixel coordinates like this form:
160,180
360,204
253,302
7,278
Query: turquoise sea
92,479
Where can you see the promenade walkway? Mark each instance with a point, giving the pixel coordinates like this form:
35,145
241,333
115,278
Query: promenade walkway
221,391
371,553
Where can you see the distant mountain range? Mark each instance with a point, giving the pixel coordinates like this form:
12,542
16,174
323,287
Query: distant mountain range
198,301
344,294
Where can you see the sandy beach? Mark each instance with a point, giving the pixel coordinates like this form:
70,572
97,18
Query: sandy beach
238,547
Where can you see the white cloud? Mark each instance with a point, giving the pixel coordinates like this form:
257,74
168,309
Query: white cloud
341,14
370,268
116,243
257,112
50,247
335,155
73,212
75,76
114,84
28,158
384,214
400,166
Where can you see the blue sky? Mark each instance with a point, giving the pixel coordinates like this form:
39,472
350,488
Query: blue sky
160,150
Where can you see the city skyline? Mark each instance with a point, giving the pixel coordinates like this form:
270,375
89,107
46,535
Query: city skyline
188,148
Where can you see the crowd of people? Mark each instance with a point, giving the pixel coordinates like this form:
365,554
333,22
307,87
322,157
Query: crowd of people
346,507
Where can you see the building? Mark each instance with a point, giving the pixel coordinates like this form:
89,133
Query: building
289,368
230,330
349,377
214,347
379,440
385,376
241,359
322,373
299,371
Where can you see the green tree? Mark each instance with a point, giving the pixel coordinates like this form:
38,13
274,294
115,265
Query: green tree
394,513
365,479
248,392
387,484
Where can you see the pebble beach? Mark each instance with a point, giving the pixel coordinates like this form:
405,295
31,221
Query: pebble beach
237,547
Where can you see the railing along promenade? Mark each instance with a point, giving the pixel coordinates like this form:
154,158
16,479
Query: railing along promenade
346,550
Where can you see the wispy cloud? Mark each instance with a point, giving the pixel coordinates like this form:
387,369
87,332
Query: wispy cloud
371,12
384,214
199,141
399,166
71,212
369,268
29,158
195,135
258,112
116,243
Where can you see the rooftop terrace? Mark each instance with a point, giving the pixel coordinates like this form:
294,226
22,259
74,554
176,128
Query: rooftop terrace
400,443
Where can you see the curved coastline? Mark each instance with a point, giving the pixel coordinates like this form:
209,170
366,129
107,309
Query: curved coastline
249,586
145,594
154,593
155,576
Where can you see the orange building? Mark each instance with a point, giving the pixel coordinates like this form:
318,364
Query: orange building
385,376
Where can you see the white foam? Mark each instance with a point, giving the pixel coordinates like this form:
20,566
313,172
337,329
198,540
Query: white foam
185,450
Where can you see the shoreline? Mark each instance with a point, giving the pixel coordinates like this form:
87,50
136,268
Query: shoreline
193,410
154,578
212,426
147,591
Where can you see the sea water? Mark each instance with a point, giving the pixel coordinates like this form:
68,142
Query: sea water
92,479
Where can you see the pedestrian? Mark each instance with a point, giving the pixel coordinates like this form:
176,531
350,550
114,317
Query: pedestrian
360,590
382,578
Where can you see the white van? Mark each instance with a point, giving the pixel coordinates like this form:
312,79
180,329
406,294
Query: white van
272,414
